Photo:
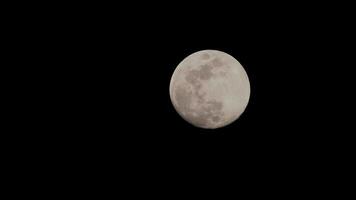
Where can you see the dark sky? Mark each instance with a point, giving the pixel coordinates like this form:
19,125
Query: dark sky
119,79
100,89
115,75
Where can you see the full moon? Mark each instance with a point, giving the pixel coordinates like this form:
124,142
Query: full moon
209,89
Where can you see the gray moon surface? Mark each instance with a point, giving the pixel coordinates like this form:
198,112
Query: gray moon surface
209,89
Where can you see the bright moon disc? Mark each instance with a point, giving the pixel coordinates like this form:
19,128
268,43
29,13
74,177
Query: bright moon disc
209,89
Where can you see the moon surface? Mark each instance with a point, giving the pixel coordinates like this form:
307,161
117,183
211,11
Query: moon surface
209,89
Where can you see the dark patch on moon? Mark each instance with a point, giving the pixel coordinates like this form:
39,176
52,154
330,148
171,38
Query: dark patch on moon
217,62
205,72
208,111
212,112
192,77
215,118
223,73
202,116
200,96
205,56
184,99
200,120
215,105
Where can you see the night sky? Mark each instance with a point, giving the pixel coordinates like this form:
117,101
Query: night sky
100,92
121,84
116,77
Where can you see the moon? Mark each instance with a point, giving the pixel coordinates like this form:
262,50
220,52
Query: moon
209,89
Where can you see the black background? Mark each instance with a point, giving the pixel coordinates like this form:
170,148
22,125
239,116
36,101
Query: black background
114,73
98,95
